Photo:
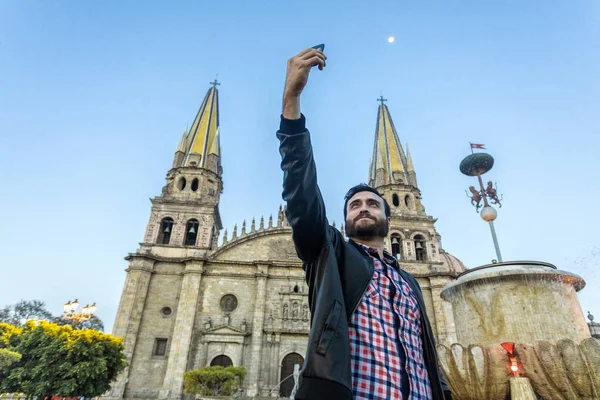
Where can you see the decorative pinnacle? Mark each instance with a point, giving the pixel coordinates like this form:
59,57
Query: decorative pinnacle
262,223
225,236
244,228
590,317
271,221
253,226
234,232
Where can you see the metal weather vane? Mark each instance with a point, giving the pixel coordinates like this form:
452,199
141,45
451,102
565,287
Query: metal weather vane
478,164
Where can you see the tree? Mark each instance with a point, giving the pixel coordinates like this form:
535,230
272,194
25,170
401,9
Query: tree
214,381
7,358
23,311
60,360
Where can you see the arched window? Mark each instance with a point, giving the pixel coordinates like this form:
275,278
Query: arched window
222,361
191,232
164,233
420,248
195,184
287,369
407,201
181,184
396,246
395,200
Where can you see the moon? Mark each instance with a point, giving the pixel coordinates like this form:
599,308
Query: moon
391,39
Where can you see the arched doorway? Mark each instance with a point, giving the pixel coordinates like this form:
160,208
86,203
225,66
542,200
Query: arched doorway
287,369
222,361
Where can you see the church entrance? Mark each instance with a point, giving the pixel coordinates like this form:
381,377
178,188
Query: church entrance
287,369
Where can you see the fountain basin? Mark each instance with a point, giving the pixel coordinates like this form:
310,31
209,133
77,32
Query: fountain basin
517,301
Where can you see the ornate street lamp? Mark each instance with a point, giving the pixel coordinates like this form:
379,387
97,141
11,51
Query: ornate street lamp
70,312
478,164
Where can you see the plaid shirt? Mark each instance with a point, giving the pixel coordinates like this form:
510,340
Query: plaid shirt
385,338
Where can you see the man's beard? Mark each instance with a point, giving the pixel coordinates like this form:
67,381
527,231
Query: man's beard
378,229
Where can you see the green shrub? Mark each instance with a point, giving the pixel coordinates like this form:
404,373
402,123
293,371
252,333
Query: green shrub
214,381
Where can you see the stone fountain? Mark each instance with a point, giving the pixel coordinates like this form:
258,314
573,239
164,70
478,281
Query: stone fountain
533,306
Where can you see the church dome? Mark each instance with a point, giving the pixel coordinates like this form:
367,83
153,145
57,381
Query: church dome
452,263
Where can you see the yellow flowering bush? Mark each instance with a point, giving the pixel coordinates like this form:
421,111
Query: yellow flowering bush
59,360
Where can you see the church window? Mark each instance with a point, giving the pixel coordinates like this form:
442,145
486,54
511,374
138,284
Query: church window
229,303
160,347
222,361
191,232
296,289
420,248
395,200
195,184
164,233
181,184
396,246
407,200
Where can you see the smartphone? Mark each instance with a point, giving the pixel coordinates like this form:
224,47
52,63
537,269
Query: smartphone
319,47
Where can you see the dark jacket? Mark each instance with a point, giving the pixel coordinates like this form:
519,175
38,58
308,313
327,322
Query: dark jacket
338,273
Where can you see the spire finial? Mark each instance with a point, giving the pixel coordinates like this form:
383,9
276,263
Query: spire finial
262,223
215,83
253,226
381,99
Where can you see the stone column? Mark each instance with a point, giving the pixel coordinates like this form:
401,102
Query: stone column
275,363
129,316
182,333
256,340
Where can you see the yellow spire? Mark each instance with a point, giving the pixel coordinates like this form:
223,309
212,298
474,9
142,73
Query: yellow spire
389,159
202,139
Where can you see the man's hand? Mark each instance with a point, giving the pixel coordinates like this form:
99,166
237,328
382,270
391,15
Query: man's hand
297,75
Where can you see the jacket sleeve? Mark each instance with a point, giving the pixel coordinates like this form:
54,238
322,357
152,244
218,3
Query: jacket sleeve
305,209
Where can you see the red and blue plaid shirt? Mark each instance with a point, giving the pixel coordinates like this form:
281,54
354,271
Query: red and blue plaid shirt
385,338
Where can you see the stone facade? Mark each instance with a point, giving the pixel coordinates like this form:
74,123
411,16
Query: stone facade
190,299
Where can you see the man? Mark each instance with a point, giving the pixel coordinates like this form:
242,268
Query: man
370,336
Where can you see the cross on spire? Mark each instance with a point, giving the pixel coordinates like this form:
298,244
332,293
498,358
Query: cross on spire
381,99
215,83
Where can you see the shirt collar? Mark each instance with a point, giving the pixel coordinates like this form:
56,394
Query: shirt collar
387,257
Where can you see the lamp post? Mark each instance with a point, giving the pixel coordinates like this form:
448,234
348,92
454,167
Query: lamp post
71,314
478,164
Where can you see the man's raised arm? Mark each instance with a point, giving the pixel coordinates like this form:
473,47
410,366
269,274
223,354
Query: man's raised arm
305,208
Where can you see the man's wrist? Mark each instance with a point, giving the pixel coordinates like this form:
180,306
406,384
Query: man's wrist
291,107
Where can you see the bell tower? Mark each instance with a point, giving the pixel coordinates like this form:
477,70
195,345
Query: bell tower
156,314
186,214
412,237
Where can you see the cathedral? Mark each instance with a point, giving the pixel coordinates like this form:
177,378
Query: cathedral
193,299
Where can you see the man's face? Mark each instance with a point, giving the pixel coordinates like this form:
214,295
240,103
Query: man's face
365,216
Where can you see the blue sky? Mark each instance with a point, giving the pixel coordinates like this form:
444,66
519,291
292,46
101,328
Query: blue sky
94,97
